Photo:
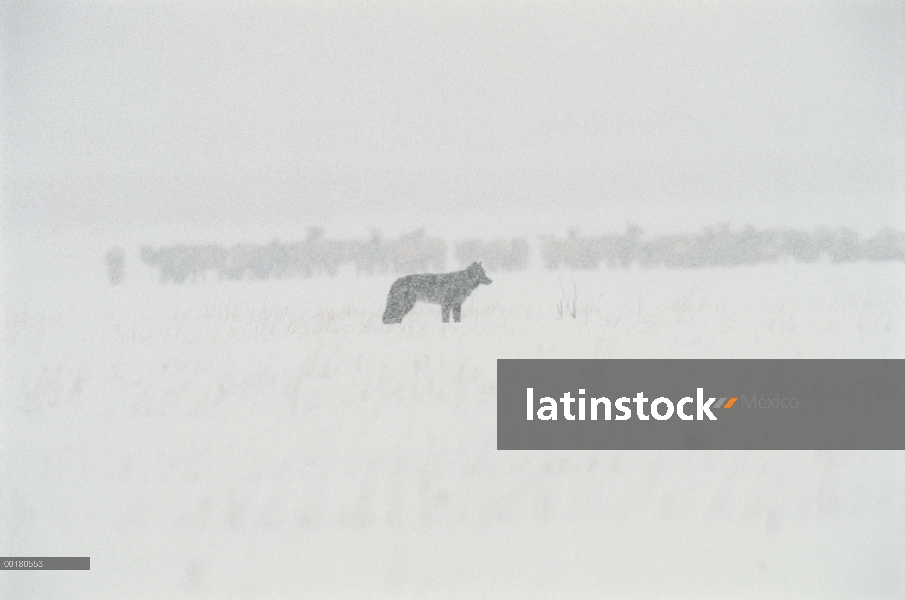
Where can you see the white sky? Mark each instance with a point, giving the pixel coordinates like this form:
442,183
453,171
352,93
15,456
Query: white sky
513,115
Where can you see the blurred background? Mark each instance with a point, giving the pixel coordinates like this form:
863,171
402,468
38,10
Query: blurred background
472,118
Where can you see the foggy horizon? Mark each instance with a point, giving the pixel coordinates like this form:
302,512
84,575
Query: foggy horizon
525,118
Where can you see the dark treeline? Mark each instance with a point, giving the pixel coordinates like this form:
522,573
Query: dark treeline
497,255
416,252
316,255
718,246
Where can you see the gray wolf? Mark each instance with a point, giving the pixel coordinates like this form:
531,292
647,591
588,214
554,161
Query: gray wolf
448,290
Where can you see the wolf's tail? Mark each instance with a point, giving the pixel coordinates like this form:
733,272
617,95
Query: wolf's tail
390,316
398,303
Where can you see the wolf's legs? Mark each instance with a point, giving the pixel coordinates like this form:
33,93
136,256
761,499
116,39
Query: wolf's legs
457,312
445,309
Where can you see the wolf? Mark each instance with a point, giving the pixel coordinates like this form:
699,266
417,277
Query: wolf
448,290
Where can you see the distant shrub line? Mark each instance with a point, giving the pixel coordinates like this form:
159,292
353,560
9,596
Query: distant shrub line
314,256
719,246
418,252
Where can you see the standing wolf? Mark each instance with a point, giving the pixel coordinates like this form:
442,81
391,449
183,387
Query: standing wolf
448,290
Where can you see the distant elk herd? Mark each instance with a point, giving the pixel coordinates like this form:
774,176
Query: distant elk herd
417,252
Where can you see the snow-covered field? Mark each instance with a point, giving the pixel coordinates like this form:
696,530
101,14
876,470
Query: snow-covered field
276,440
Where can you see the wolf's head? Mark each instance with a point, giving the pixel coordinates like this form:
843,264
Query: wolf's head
477,271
